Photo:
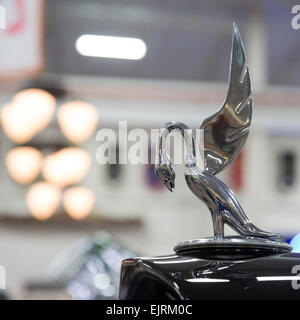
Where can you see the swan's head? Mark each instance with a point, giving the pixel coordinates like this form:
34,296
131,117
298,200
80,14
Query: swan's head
166,175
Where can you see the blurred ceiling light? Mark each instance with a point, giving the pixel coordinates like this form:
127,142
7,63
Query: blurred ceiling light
111,47
67,166
15,124
43,199
78,202
38,105
77,120
24,164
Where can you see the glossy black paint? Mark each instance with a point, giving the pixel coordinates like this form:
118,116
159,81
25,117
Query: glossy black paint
210,275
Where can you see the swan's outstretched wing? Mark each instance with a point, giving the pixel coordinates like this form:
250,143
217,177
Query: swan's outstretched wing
226,131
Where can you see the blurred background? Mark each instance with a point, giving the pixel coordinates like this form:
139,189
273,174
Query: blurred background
66,222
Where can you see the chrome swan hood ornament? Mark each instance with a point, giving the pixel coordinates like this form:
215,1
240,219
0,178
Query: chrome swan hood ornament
224,135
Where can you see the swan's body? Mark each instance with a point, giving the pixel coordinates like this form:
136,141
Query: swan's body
223,204
221,201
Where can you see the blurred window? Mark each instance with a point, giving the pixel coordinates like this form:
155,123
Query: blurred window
114,171
287,169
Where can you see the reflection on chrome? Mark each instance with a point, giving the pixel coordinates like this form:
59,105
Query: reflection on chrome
278,278
206,272
176,261
207,280
225,267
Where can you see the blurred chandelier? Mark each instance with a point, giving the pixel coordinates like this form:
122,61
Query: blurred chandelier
78,202
77,120
29,112
39,105
67,166
24,164
43,199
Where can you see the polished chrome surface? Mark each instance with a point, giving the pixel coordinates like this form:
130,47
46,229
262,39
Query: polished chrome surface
223,204
237,243
225,133
164,168
221,201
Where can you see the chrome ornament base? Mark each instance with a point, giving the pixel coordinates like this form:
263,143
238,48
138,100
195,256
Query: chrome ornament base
234,243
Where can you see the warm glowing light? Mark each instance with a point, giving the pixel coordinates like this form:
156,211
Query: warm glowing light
43,199
111,47
67,166
78,202
39,105
77,120
29,112
15,124
24,164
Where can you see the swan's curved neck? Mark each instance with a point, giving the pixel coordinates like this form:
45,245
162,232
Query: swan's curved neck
163,152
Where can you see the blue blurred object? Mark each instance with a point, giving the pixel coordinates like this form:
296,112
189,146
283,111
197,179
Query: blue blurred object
294,242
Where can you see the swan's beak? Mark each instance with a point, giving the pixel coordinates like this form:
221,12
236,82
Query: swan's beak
165,176
170,185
